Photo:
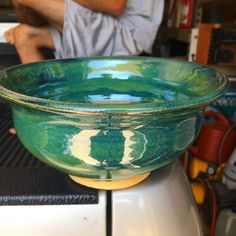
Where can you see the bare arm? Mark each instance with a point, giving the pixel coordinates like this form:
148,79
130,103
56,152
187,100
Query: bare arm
110,7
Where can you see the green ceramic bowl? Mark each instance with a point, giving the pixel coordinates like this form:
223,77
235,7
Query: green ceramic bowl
109,119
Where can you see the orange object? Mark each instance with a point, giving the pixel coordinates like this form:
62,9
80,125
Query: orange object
205,35
199,192
214,143
197,166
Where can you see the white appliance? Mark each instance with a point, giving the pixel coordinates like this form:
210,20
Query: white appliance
162,205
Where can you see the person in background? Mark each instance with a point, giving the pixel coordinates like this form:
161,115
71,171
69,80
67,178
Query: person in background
82,28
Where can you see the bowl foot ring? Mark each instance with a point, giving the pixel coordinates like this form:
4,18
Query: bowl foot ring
110,184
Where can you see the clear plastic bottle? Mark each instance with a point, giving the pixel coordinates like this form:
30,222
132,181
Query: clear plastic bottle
226,223
229,172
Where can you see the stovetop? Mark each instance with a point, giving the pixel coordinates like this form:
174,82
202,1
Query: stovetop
24,180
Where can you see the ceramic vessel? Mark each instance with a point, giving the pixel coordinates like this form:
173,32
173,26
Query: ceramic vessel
108,122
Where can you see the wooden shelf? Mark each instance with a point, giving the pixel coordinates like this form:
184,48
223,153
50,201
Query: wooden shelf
177,33
216,1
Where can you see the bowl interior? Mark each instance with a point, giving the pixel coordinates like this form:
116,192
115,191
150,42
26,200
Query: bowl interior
114,81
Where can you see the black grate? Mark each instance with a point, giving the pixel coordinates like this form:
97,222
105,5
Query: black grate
24,180
12,152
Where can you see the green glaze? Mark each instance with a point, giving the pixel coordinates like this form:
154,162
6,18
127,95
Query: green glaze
109,118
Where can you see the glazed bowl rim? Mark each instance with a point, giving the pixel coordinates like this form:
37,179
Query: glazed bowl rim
101,109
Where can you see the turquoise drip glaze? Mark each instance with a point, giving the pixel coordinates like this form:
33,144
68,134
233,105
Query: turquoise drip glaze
109,118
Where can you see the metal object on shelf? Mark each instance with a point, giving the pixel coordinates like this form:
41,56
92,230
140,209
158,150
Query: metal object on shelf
193,45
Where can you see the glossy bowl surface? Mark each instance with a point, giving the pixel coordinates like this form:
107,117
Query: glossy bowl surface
109,118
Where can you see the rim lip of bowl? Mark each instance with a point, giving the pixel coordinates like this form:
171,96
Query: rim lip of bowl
101,109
